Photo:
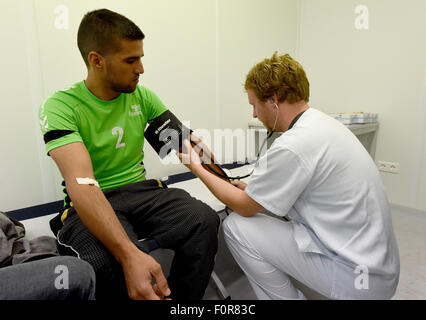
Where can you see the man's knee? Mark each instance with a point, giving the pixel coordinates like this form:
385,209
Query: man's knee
208,218
201,213
202,225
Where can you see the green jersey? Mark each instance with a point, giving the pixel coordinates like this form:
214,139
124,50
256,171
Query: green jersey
112,131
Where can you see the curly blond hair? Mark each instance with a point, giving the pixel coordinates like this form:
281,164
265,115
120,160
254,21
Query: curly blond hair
281,75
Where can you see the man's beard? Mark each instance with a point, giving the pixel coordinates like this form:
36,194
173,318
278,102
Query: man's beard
120,88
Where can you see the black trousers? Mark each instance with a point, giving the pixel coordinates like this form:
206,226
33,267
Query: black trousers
148,209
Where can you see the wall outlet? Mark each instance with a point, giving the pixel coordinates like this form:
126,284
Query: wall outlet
392,167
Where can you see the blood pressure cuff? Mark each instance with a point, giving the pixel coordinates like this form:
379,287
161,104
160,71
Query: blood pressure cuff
166,133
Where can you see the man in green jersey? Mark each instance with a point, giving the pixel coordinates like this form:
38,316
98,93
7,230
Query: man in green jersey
94,131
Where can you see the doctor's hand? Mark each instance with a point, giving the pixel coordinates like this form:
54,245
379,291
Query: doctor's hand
189,157
239,184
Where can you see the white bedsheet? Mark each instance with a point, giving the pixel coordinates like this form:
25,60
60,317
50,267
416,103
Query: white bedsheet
40,226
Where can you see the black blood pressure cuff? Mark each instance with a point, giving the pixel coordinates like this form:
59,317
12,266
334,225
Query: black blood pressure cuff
166,133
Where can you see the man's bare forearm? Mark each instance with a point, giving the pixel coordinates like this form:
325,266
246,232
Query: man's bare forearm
99,217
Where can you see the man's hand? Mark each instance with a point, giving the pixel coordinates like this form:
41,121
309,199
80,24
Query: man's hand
139,271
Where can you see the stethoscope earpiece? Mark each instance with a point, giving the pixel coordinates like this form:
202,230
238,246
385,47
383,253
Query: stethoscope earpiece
273,101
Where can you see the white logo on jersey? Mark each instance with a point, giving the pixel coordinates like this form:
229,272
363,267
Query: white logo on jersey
44,124
136,110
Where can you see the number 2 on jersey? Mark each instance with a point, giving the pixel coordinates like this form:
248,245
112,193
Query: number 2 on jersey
120,132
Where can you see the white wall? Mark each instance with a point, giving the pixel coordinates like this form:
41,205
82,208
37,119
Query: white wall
248,32
381,70
20,171
197,54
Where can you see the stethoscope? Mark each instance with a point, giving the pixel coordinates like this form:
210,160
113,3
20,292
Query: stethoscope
222,174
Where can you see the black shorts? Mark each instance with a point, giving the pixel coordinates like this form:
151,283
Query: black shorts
149,209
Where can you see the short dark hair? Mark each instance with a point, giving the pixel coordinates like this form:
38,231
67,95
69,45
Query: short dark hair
102,30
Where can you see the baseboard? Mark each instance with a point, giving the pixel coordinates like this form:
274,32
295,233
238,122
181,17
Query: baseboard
417,212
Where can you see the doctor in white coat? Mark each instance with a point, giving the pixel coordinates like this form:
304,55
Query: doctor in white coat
340,239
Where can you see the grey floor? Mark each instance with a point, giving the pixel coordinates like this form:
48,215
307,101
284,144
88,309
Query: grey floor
231,276
410,229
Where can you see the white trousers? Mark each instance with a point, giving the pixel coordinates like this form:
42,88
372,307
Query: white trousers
265,249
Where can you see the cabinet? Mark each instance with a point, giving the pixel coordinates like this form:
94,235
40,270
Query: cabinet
366,134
